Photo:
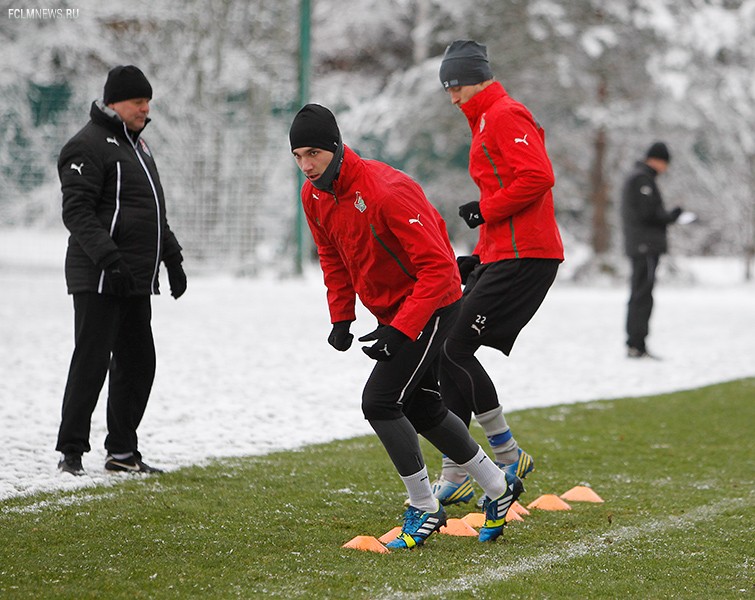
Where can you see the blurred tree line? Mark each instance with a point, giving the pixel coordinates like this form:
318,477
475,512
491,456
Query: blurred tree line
605,79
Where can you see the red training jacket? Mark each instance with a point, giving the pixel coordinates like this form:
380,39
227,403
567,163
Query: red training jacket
379,237
508,162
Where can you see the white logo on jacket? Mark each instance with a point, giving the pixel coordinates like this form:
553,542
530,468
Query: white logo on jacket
482,122
76,167
646,190
112,140
411,221
522,140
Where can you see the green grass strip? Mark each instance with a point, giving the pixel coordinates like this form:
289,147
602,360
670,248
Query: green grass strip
676,472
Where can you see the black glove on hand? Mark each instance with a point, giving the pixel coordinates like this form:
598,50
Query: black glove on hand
471,214
120,278
339,337
389,342
176,275
466,265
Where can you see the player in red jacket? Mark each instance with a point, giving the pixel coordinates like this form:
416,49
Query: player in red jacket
378,237
515,260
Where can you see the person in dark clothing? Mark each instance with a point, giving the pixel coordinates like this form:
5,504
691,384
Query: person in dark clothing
379,238
114,209
645,220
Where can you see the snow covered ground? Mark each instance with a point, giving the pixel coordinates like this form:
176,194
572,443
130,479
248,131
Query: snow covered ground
244,367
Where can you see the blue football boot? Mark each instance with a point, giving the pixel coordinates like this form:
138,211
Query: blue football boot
417,527
495,510
447,492
524,464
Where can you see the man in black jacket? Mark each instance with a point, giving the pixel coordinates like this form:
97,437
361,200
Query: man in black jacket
114,209
645,221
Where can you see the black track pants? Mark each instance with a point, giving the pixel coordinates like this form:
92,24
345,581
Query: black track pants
640,304
111,334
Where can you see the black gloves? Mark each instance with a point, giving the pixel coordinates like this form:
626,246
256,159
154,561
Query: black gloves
674,214
466,265
389,342
120,278
471,214
176,275
339,337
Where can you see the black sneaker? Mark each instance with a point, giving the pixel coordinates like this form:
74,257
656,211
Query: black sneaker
132,464
637,353
71,463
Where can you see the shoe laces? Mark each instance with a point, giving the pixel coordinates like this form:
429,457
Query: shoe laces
412,519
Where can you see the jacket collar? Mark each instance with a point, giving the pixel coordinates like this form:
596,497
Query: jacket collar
351,170
478,104
108,118
643,166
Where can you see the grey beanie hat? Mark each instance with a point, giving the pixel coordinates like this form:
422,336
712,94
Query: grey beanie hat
465,63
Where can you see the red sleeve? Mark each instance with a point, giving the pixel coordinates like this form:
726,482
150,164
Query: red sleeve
528,171
430,254
341,295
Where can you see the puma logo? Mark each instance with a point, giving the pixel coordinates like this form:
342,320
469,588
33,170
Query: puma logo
411,221
477,329
522,140
76,167
112,140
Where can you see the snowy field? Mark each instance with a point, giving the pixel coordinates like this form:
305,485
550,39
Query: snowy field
244,367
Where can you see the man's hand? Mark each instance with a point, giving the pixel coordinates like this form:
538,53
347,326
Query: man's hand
176,275
339,337
466,265
388,342
471,214
119,277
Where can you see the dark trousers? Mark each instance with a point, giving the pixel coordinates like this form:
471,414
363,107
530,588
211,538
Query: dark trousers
402,398
500,298
408,384
640,299
111,334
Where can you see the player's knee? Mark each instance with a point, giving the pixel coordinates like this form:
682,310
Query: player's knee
375,410
426,418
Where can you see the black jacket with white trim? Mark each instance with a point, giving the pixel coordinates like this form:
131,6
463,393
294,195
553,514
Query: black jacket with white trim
113,206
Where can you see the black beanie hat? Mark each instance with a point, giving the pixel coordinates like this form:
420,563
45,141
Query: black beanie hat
314,126
124,83
660,151
465,63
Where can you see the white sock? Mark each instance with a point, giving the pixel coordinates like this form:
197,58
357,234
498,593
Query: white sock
452,472
486,474
122,456
420,492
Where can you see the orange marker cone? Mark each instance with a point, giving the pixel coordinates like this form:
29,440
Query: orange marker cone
581,493
458,527
512,515
367,543
549,502
474,519
519,509
391,535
